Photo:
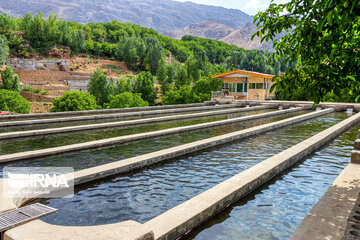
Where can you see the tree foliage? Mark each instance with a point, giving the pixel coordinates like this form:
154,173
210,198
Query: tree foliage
323,37
9,80
74,101
4,49
144,84
100,87
13,102
127,100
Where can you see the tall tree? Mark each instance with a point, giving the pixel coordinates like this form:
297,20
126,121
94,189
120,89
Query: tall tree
9,80
323,37
4,49
100,87
144,84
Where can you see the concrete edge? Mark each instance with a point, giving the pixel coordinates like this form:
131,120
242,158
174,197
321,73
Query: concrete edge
55,231
101,111
97,144
328,218
126,165
111,116
184,217
39,230
49,131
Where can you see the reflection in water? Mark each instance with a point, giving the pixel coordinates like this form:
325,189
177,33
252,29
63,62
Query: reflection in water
277,209
144,194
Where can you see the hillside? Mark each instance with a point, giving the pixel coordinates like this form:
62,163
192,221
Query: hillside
161,15
205,29
242,38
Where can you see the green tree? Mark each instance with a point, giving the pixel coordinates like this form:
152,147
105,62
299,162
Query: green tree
127,100
74,101
323,37
144,84
123,85
9,80
204,87
13,102
184,95
100,87
4,49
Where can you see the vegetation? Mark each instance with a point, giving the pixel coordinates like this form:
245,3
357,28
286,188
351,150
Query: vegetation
127,100
9,80
34,90
100,87
4,49
144,84
74,101
323,38
13,102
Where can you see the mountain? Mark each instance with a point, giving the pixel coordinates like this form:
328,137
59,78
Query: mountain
161,15
205,29
242,38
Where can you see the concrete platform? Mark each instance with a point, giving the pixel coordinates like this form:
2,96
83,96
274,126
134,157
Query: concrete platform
328,218
141,136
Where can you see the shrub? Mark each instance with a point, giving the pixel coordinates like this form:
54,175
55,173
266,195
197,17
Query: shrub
13,102
33,90
74,101
184,95
127,100
9,80
100,87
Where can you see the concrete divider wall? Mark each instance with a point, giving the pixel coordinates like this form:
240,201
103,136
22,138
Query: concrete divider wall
102,111
111,116
193,212
141,136
48,131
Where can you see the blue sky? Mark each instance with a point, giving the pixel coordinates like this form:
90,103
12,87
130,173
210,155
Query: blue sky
248,6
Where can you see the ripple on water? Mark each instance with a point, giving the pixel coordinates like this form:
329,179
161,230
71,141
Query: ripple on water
144,194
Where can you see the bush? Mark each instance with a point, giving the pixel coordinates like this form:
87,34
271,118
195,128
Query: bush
184,95
127,100
33,90
9,80
13,102
100,87
74,101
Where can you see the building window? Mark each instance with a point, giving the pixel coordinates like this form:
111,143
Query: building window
259,86
239,87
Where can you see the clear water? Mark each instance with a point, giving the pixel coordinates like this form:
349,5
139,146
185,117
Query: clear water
86,159
144,194
277,209
57,140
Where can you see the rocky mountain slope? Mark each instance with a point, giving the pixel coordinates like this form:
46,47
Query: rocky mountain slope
205,29
161,15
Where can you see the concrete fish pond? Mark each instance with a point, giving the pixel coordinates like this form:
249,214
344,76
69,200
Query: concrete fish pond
246,170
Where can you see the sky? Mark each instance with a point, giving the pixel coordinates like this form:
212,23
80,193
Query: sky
250,7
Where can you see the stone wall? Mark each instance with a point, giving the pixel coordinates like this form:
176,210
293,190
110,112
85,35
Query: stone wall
33,64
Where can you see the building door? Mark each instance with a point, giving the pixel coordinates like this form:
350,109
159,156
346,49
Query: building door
245,87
